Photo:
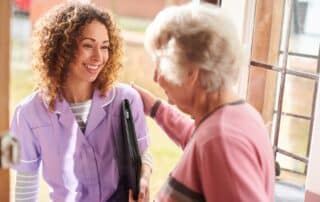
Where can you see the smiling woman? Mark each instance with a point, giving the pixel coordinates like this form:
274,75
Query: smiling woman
70,123
59,43
91,56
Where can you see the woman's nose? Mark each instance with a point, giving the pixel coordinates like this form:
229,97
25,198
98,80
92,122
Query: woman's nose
97,55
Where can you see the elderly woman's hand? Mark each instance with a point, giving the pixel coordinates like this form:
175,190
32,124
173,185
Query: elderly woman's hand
147,97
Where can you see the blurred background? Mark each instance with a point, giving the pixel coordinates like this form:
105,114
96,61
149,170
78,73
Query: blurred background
281,42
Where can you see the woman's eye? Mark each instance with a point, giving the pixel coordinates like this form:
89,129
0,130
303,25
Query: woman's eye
87,46
105,47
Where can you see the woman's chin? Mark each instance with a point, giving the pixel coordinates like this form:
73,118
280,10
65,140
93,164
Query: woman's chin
92,78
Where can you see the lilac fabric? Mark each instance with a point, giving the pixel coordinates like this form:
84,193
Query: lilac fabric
77,166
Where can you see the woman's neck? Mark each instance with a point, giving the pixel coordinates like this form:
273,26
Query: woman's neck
209,102
79,92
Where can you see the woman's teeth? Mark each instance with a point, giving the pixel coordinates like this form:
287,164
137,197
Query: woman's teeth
93,67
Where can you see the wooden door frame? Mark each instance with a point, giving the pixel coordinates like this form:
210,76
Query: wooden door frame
266,37
5,13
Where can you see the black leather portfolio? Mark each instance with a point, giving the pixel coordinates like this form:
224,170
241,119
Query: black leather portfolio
132,158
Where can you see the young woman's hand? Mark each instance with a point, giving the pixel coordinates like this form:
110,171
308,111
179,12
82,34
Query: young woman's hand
144,194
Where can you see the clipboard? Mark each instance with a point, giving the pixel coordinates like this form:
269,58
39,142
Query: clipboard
132,157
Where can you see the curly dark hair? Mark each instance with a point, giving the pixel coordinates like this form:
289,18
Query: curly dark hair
55,43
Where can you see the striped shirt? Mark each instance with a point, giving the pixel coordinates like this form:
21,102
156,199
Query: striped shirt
81,112
27,186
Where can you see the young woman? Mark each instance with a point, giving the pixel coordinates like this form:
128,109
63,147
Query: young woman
70,123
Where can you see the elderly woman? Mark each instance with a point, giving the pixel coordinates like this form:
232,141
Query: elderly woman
227,155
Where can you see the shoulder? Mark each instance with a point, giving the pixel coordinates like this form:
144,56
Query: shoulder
117,94
31,104
32,109
125,91
223,127
234,128
234,120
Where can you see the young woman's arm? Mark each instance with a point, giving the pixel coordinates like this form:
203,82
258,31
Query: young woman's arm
27,186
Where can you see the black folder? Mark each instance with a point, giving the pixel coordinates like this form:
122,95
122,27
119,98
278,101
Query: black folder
131,152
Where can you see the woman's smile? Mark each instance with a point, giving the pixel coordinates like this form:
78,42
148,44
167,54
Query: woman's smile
92,69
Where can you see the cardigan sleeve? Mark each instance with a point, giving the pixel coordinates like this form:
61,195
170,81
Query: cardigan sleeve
177,125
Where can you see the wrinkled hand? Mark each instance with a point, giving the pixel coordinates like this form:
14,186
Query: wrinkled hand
147,97
144,194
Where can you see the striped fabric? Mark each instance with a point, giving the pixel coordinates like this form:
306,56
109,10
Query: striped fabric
175,191
81,112
146,158
27,187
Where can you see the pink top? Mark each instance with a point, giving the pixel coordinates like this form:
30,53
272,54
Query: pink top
227,158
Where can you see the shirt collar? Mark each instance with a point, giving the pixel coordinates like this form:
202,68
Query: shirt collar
103,101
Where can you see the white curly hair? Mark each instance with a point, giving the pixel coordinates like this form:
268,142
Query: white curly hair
198,34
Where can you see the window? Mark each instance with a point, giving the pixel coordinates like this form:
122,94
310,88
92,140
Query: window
284,74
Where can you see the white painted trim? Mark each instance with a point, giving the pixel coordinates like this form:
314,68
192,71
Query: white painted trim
247,36
313,174
242,12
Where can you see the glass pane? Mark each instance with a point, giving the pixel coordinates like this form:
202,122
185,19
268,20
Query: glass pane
290,164
293,137
303,64
305,32
20,61
20,41
298,95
